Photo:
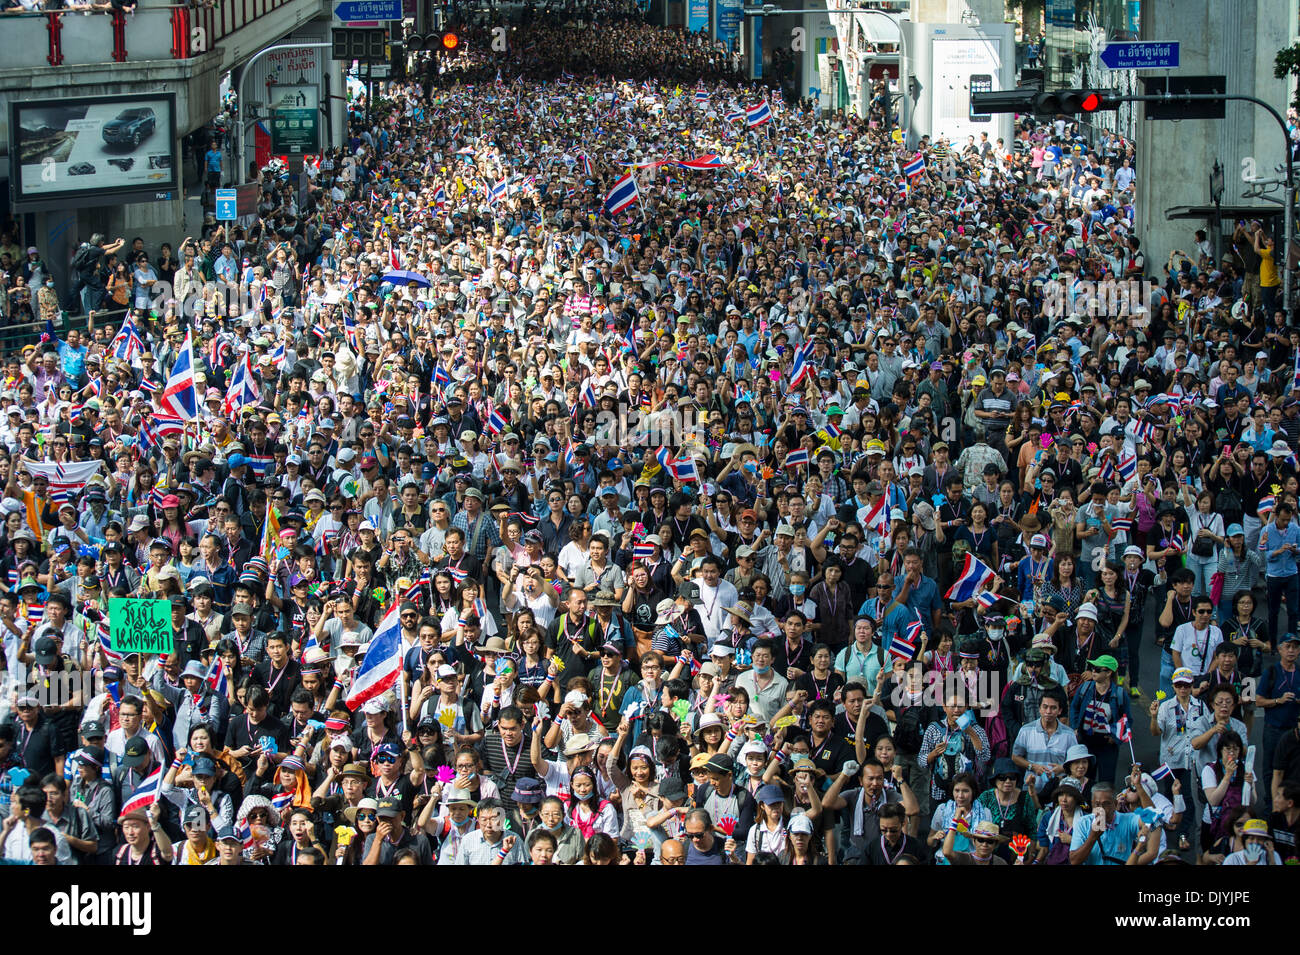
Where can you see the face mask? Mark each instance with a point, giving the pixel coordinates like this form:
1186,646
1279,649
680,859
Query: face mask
996,634
797,589
759,669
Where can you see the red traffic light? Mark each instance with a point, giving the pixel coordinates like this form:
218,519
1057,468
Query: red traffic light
1090,103
450,41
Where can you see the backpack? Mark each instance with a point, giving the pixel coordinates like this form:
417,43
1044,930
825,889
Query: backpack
908,730
1228,503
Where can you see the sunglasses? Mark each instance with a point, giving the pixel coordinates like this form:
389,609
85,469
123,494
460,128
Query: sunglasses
385,760
366,815
696,836
984,841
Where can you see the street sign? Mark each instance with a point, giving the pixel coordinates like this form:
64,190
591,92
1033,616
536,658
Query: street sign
227,205
351,11
1140,56
295,114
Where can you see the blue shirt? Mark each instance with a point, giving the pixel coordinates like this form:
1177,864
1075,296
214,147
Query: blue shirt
923,599
1116,842
1275,683
74,360
1270,539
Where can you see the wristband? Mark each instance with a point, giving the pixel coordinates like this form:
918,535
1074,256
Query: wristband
502,852
731,735
338,684
549,678
1180,804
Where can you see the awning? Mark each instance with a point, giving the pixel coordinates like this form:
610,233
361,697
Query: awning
1228,213
880,29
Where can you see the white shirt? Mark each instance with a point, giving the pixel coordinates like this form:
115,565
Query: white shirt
1196,647
712,600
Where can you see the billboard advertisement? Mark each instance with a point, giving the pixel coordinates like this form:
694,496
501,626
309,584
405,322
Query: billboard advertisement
962,66
730,13
697,15
95,146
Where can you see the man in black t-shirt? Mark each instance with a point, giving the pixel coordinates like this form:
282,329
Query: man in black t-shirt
392,836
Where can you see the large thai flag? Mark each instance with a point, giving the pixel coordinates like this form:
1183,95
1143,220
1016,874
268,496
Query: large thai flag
707,161
758,115
145,795
975,576
623,195
179,397
915,167
383,661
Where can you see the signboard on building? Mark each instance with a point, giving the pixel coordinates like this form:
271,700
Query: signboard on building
697,15
730,13
295,120
122,146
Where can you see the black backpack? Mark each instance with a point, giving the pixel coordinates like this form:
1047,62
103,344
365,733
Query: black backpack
1229,504
908,731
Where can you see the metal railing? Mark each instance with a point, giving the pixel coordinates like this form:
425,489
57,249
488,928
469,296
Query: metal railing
151,32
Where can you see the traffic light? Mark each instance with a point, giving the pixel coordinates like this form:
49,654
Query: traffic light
1051,103
447,42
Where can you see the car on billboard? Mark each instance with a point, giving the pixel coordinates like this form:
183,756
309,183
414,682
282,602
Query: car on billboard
130,126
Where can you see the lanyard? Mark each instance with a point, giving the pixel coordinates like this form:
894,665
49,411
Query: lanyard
510,767
605,698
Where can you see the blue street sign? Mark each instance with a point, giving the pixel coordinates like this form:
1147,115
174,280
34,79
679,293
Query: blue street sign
1140,56
227,205
353,10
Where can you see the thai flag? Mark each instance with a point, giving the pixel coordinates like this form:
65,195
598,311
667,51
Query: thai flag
147,386
1123,731
643,551
797,457
987,599
1161,772
243,388
414,591
216,676
480,608
498,192
375,196
440,197
1266,504
664,457
528,519
145,795
877,518
734,115
903,647
127,343
701,96
1121,524
758,115
707,161
465,151
915,167
457,574
975,576
325,544
382,664
179,397
441,376
623,195
802,366
684,469
1128,467
586,165
1107,472
319,331
588,396
1295,377
496,422
34,614
1177,543
281,801
106,643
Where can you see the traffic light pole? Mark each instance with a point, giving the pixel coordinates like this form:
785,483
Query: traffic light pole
1076,101
1288,207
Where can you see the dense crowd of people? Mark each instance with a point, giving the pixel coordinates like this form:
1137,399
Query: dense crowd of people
818,506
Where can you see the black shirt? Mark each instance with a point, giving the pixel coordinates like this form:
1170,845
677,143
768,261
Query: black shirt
38,747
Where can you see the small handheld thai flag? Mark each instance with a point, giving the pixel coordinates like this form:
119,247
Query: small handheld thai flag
1128,467
664,457
987,599
903,647
281,801
496,422
975,577
701,96
528,519
1177,543
915,167
796,458
480,609
145,795
216,676
1123,731
1266,504
1121,524
1161,772
586,165
734,115
758,115
643,551
684,469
